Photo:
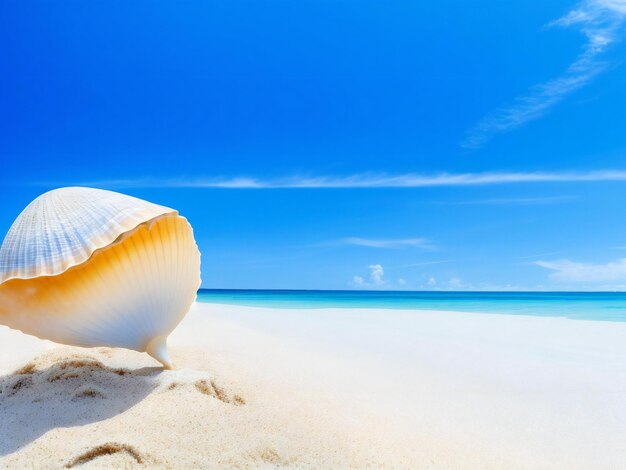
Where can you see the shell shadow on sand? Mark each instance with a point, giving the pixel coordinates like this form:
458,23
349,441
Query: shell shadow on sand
64,391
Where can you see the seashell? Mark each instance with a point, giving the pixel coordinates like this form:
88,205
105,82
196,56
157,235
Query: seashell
88,267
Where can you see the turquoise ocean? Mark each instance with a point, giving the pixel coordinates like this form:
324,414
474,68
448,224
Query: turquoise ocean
605,306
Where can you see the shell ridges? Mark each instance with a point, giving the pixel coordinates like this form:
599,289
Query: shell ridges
64,227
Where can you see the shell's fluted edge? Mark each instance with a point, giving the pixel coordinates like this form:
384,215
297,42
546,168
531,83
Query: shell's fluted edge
131,294
62,229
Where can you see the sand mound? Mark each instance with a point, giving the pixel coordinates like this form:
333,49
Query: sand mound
72,387
211,389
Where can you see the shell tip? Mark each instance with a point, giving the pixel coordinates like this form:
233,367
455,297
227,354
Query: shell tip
157,348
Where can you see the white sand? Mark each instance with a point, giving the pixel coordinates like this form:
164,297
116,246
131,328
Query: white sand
325,388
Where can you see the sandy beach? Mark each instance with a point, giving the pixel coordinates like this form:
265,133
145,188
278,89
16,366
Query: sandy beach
324,388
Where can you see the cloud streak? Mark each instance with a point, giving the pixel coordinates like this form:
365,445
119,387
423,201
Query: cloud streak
539,255
424,263
385,244
571,271
518,201
601,21
361,180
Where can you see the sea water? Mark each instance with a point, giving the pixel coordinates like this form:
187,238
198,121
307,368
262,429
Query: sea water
605,306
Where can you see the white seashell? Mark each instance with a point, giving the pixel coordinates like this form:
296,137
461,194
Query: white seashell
88,267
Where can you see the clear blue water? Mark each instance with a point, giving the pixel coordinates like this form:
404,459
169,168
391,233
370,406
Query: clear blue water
606,306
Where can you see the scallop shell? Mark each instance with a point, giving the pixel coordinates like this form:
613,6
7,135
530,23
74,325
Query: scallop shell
88,267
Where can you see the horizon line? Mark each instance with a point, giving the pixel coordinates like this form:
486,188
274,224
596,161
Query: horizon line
378,291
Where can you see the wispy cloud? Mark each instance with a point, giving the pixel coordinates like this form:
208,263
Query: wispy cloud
601,21
517,201
360,180
539,255
424,263
386,244
570,271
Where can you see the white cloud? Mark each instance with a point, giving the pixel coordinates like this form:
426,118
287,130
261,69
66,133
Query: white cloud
401,282
362,180
571,271
601,22
376,275
454,283
388,243
375,280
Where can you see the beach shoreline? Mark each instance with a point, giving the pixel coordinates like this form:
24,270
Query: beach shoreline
261,387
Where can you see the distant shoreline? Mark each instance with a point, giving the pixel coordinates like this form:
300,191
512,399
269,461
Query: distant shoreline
604,306
391,291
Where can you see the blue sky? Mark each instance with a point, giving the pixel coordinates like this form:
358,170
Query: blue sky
336,144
